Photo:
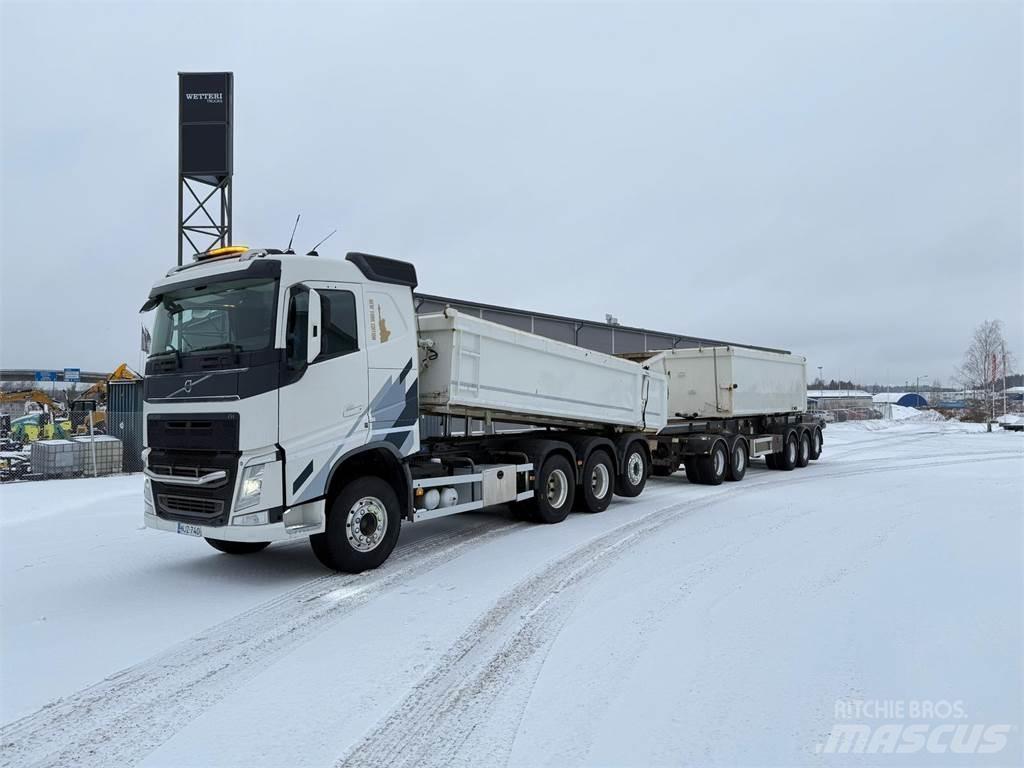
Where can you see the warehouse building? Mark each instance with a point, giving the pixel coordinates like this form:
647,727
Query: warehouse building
907,399
838,399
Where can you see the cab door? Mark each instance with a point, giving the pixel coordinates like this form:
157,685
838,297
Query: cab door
324,394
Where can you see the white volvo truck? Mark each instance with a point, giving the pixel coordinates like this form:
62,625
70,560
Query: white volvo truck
283,396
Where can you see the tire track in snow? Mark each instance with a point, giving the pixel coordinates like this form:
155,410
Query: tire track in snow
449,716
124,717
498,658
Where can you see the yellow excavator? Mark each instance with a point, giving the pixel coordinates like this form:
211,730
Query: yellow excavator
44,424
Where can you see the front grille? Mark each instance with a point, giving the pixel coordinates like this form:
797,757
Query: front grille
189,505
208,504
185,470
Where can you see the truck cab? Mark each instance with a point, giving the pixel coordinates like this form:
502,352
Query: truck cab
273,378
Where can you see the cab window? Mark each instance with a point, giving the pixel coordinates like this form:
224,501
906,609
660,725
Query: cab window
340,334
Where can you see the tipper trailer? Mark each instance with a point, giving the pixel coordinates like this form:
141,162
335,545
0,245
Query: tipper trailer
283,397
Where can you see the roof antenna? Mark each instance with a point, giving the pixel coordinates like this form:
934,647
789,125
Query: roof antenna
312,251
290,239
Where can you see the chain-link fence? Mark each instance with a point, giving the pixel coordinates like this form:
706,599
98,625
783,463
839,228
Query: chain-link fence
86,438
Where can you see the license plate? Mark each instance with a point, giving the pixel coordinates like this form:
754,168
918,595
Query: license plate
189,530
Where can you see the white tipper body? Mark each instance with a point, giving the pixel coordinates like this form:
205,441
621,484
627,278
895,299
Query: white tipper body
731,382
477,368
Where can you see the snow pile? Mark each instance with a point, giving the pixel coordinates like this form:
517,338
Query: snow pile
904,412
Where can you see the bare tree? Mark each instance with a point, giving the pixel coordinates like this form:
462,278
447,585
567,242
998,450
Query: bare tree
986,360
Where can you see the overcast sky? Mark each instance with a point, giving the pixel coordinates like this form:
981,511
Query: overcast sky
839,179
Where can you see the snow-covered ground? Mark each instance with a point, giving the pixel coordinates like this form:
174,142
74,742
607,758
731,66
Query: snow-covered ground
694,625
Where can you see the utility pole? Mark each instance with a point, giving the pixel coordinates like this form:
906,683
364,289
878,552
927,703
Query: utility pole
1004,378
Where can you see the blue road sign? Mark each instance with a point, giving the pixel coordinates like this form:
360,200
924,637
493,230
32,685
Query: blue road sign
72,374
46,375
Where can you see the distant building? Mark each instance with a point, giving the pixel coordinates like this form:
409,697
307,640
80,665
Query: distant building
838,399
908,399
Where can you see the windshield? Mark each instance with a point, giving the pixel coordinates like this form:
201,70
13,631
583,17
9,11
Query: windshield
236,315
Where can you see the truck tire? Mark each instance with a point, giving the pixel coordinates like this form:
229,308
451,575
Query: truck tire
816,444
598,482
238,547
363,521
692,469
738,460
786,461
803,457
554,491
634,471
714,466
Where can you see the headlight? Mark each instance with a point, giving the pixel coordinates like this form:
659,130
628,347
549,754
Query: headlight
251,487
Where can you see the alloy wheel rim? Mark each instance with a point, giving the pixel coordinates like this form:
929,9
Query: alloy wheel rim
719,462
558,489
635,468
600,481
366,524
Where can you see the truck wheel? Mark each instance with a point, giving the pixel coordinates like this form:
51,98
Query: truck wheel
786,460
804,454
598,481
715,465
663,470
738,461
692,469
554,491
634,472
362,527
238,547
816,444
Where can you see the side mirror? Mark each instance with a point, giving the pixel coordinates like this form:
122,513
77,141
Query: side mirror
313,332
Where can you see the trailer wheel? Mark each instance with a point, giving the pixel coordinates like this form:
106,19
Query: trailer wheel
554,490
786,460
597,483
714,467
362,527
738,461
816,444
804,454
634,471
238,547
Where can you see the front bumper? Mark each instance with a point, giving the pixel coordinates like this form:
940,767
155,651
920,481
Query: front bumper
297,522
